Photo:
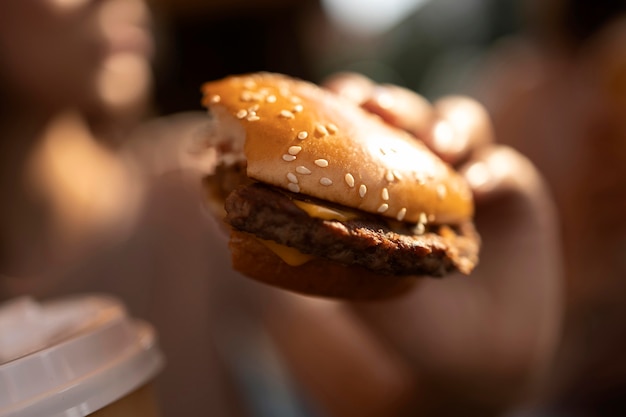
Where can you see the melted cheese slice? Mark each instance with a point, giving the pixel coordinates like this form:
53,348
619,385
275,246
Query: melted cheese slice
324,213
291,256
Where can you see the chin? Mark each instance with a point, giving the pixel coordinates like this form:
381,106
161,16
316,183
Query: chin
123,84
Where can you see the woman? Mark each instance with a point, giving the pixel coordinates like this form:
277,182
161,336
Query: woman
83,217
71,72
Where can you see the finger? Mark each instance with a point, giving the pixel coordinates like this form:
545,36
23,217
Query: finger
396,105
355,87
461,126
497,170
513,208
402,108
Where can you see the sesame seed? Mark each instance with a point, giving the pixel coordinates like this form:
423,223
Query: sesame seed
332,128
389,176
287,114
303,135
216,99
349,180
246,96
293,187
322,163
284,91
292,177
321,130
289,158
383,208
423,219
397,174
303,170
419,229
294,150
385,194
362,190
295,99
298,108
441,191
401,214
271,99
253,108
253,118
249,84
326,181
241,114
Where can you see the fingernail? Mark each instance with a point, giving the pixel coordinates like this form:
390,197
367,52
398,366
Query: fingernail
447,140
493,171
383,97
478,176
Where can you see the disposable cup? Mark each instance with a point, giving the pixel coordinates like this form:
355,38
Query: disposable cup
77,356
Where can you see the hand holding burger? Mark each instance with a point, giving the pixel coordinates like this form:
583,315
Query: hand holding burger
476,344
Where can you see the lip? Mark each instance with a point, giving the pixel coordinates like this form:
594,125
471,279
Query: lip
128,38
125,27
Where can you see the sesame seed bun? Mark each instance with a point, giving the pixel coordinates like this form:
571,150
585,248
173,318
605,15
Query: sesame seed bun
396,209
307,140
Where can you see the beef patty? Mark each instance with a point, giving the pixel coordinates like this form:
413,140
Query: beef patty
382,245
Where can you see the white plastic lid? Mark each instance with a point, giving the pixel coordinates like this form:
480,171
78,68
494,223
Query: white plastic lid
88,354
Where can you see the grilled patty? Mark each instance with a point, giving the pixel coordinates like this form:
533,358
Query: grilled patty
376,243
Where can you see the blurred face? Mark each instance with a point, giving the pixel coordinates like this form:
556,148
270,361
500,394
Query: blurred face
86,53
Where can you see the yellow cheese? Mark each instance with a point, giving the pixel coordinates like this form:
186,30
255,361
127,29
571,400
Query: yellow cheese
324,213
291,256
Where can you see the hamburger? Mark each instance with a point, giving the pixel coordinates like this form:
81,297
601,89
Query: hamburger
324,198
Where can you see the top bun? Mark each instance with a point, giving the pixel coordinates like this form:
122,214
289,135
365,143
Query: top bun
308,140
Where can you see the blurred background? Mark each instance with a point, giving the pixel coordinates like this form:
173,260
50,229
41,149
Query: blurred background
551,73
429,46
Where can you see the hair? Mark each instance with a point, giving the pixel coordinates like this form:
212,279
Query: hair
574,21
583,18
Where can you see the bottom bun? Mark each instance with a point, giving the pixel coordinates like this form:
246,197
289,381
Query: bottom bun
318,277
